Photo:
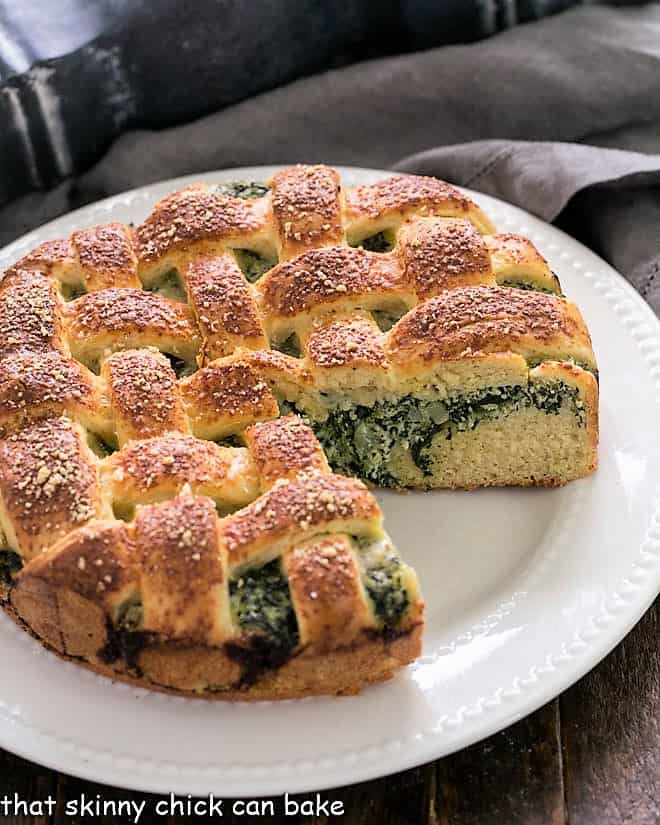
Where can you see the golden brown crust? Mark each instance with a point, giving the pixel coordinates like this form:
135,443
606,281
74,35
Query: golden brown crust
327,593
209,673
183,582
156,469
143,394
284,375
106,257
47,255
173,561
34,606
225,397
306,209
272,364
326,278
48,484
29,314
224,306
149,532
36,385
469,321
191,215
338,342
284,448
96,561
401,195
126,318
515,259
443,253
289,510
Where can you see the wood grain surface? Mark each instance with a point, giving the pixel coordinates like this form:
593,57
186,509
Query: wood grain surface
590,757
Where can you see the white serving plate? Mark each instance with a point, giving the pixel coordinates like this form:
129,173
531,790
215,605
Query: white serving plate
526,591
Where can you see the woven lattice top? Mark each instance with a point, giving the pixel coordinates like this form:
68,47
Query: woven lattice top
127,353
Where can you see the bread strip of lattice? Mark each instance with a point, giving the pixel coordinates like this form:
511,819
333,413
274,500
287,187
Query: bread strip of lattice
176,557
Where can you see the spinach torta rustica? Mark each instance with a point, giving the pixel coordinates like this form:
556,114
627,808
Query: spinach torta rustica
189,409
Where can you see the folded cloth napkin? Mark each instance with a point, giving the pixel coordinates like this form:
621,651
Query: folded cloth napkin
586,83
607,198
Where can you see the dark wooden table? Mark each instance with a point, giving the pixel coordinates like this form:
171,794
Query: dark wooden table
591,757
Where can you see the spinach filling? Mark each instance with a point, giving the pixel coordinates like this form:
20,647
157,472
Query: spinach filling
10,564
99,446
232,440
125,638
247,190
123,510
182,368
130,616
169,285
260,603
383,579
252,264
359,440
386,318
126,645
380,242
529,287
290,346
72,291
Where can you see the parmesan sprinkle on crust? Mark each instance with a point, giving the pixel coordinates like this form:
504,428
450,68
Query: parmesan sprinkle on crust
443,253
147,471
28,314
314,502
194,214
326,277
347,342
225,306
469,320
47,482
143,393
403,193
106,256
307,208
284,448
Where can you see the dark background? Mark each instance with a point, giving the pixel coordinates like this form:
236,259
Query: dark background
81,72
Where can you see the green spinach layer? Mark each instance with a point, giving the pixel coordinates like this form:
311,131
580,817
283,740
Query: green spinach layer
10,564
380,242
526,285
169,285
182,369
99,446
248,190
252,264
130,616
72,291
261,604
382,576
386,318
290,346
358,440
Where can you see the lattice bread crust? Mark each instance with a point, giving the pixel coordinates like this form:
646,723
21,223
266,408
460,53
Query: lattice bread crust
94,367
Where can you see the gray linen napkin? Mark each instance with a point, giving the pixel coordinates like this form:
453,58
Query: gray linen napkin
607,198
586,83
